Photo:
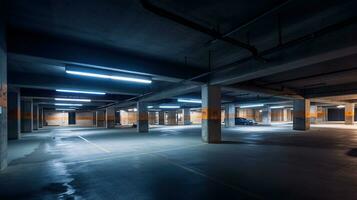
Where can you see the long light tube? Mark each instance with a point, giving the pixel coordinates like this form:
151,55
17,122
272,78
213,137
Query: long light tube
251,106
68,104
340,106
189,100
65,99
121,78
80,91
65,109
169,107
275,107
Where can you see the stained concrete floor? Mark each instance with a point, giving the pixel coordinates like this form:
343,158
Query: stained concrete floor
253,162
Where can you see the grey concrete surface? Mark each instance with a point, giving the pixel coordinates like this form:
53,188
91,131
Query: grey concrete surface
253,162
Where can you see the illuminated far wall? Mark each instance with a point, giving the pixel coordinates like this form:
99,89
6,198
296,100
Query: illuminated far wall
127,118
55,118
84,118
277,115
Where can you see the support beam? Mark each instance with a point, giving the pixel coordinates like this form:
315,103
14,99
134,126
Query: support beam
3,89
349,113
301,114
211,113
14,114
26,115
186,116
110,117
266,115
35,117
161,118
229,115
142,117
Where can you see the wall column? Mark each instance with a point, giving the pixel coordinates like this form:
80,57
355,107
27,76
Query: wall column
349,113
100,117
211,113
35,117
186,116
171,117
14,114
142,118
161,118
229,115
301,119
110,117
40,117
266,115
152,117
3,89
313,114
26,115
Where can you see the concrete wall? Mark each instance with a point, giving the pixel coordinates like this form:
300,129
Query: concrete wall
246,113
3,90
127,118
53,118
196,117
84,118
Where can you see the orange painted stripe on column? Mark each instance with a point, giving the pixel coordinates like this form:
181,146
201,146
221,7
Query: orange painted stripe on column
3,96
302,114
84,118
211,114
349,113
26,115
143,116
110,117
56,118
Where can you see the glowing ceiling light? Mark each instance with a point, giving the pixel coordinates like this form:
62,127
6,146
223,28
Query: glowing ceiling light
113,77
65,99
275,107
340,106
189,100
132,109
251,106
150,106
80,91
169,107
67,104
65,109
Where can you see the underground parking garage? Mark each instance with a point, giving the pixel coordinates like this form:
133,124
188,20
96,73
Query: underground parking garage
152,99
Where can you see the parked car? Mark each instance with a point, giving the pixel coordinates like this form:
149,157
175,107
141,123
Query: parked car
244,121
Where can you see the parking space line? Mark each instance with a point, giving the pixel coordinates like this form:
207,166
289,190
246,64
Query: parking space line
97,146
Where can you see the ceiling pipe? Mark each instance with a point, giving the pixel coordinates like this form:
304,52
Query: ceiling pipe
195,26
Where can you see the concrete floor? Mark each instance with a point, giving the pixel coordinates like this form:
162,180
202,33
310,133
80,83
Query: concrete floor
172,163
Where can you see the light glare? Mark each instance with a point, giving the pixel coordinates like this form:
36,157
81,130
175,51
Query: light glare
65,99
79,91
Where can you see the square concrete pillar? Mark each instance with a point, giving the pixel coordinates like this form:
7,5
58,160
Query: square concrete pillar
40,117
3,89
35,116
142,117
313,114
266,115
349,113
100,118
301,119
26,115
14,114
171,117
229,115
161,118
211,113
186,116
110,117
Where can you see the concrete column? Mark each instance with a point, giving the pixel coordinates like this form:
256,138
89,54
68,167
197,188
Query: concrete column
100,117
110,117
229,115
349,113
142,118
211,113
186,116
171,117
313,114
152,117
3,89
40,117
285,114
26,115
161,118
301,119
35,116
14,114
266,115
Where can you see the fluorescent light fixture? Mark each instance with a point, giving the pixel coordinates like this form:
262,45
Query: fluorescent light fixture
79,91
113,77
65,109
251,106
150,106
275,107
132,109
65,99
260,111
189,100
340,106
67,104
169,107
